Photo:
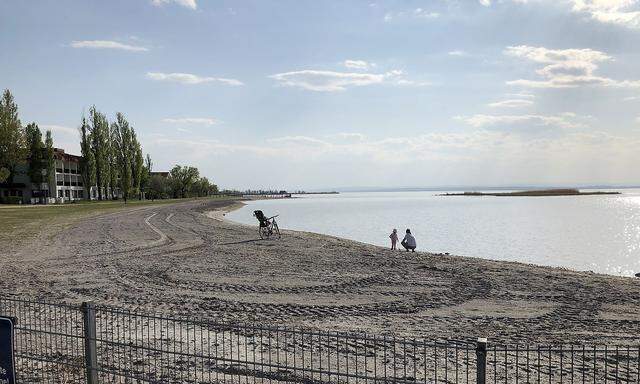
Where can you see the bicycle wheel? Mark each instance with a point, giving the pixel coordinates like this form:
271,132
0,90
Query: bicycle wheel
264,232
276,230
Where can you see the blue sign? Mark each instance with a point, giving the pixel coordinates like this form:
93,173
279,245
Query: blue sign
7,362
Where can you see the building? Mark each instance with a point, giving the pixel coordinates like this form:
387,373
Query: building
65,185
161,174
68,184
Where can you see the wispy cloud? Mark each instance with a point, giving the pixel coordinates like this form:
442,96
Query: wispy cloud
565,120
107,44
347,136
332,81
190,79
457,53
59,129
621,12
511,103
485,3
191,120
358,64
424,14
417,13
565,68
185,3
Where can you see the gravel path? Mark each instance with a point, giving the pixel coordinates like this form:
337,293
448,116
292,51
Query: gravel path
177,259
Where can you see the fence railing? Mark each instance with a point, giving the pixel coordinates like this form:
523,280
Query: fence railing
59,343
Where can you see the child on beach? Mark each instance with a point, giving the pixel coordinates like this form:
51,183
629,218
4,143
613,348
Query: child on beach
394,238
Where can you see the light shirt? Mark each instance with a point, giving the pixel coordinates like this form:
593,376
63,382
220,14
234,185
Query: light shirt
409,240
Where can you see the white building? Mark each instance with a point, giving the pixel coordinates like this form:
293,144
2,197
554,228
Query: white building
67,179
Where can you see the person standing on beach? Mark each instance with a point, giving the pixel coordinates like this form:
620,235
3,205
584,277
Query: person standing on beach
394,238
409,242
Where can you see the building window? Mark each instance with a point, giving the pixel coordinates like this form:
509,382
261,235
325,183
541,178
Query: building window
67,193
60,193
80,194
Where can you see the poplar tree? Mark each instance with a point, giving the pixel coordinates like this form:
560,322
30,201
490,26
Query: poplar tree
36,160
13,147
137,161
122,140
49,161
87,162
99,127
114,170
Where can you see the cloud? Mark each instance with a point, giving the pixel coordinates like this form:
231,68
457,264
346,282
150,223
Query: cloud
191,120
107,44
358,64
331,81
347,136
59,129
424,14
638,119
621,12
565,120
190,79
565,68
631,98
457,53
417,13
511,103
485,3
185,3
521,95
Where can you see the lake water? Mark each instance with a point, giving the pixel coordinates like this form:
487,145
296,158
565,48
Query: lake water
597,233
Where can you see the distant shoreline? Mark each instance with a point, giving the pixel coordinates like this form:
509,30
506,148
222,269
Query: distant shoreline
542,192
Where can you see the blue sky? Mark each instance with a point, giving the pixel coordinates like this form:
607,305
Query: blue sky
324,94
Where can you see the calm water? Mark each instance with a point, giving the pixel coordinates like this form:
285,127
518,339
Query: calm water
597,233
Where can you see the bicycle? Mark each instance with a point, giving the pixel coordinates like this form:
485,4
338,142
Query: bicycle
267,225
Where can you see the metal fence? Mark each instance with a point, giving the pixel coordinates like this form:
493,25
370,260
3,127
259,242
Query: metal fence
59,343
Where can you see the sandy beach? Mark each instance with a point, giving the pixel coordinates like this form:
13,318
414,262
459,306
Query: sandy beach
184,258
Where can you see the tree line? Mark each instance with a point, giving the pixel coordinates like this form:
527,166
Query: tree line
182,181
111,157
111,160
18,143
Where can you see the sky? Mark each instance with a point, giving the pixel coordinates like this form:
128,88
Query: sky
312,94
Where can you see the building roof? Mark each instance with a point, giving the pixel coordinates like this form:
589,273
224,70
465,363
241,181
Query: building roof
59,154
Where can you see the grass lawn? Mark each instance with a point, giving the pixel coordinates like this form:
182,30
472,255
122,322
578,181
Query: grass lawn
20,223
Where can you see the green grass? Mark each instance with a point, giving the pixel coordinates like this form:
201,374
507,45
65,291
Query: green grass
20,223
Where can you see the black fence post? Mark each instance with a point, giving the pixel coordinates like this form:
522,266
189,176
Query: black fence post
481,361
90,351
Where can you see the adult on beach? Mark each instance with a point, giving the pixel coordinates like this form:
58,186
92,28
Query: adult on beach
409,242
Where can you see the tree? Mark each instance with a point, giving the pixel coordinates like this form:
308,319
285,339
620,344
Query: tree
13,147
122,144
49,161
181,179
87,162
145,177
203,187
112,155
99,128
137,161
158,187
36,154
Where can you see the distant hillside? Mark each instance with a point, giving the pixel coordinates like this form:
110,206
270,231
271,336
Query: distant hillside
539,192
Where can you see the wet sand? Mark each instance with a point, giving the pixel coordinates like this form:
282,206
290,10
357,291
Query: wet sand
184,259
